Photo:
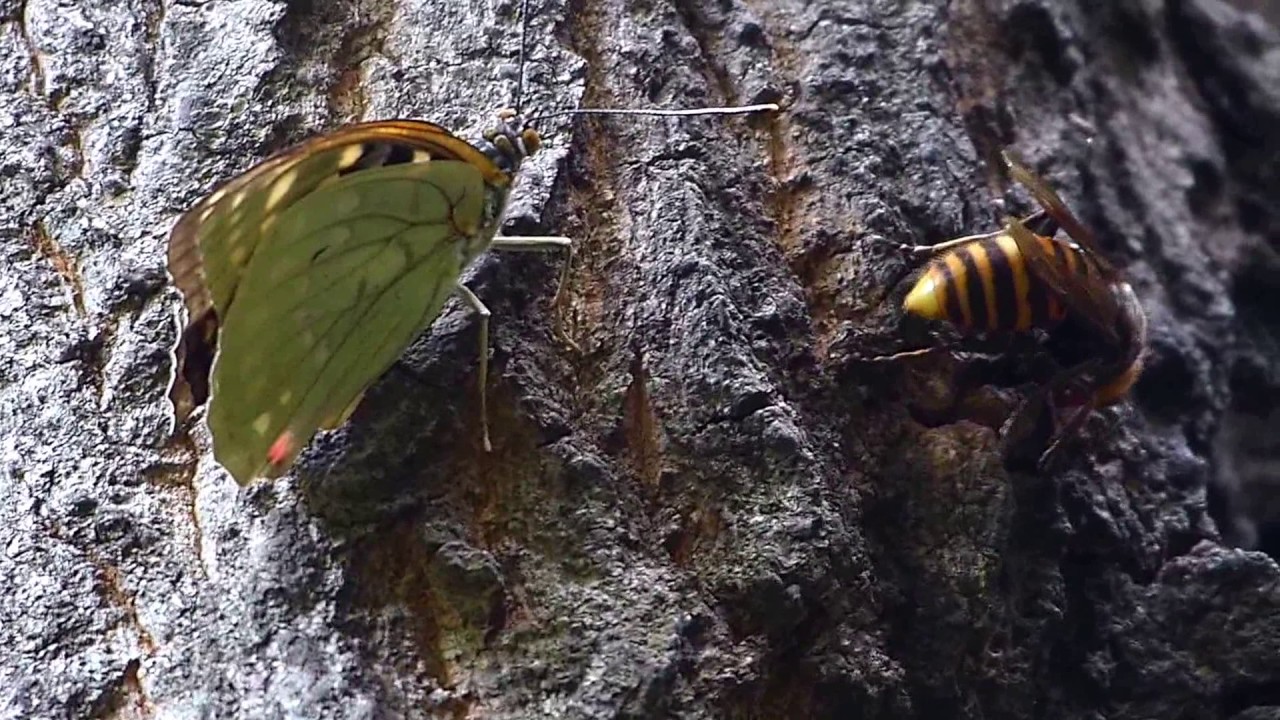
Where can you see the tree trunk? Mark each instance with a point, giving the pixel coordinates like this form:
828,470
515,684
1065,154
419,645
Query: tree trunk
704,500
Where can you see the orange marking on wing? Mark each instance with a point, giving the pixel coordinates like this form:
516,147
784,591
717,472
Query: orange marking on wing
282,449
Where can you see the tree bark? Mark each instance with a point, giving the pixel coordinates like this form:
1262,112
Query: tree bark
703,500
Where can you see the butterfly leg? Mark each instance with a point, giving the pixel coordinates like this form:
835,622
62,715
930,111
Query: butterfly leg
550,243
527,243
479,307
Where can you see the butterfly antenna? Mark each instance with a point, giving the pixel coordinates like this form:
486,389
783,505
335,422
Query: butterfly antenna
727,110
524,31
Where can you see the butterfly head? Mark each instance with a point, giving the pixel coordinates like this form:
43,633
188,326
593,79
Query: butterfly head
510,141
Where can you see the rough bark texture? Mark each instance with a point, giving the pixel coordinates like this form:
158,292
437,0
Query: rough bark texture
709,505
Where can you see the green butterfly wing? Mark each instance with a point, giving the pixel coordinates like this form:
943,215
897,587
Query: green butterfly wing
338,287
304,277
213,243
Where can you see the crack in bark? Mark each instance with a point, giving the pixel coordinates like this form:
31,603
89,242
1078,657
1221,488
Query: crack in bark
38,85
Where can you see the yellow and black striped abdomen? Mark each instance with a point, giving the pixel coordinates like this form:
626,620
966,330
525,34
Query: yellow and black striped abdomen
986,285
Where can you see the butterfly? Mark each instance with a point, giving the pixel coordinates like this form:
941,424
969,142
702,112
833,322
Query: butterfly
307,276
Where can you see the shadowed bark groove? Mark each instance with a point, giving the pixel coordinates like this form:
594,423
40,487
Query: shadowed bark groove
710,503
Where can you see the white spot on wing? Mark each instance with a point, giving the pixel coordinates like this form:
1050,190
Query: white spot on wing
280,188
349,156
260,424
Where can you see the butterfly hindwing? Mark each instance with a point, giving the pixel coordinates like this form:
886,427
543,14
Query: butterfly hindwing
338,287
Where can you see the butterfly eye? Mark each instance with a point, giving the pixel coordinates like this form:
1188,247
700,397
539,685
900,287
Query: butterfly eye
532,141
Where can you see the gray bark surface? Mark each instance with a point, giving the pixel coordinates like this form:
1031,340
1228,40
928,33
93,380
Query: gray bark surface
708,505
